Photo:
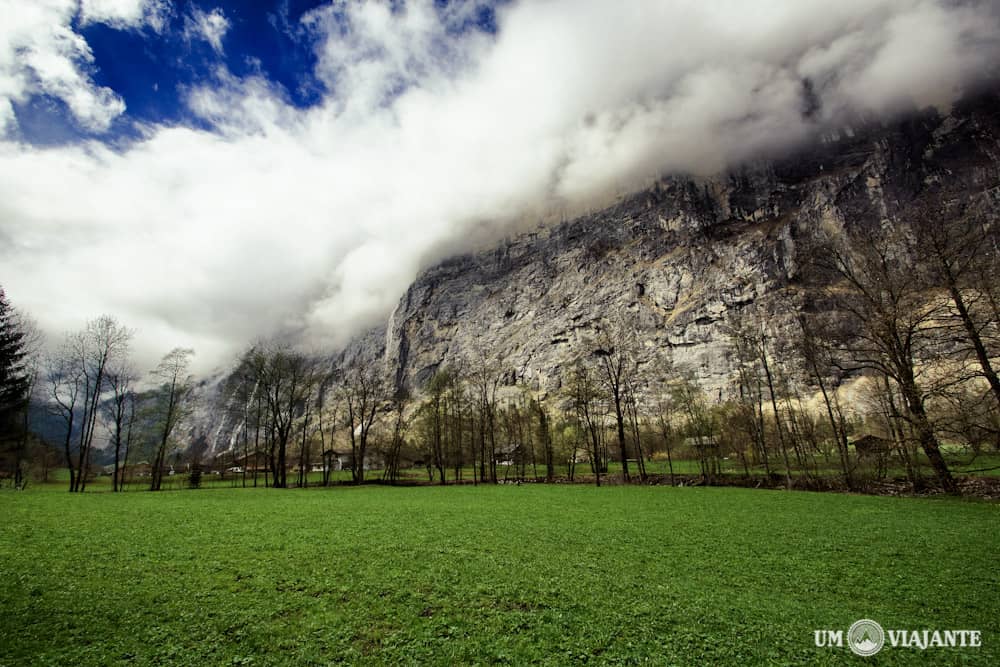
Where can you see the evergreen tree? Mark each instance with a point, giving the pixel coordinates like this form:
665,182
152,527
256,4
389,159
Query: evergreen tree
13,378
14,387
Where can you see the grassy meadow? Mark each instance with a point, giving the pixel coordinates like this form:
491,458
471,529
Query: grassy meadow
551,574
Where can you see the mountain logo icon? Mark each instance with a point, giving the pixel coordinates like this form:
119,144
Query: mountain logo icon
865,637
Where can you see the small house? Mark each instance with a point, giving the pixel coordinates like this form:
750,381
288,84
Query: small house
872,445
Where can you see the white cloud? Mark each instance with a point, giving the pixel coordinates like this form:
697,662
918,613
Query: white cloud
40,54
122,14
209,27
287,219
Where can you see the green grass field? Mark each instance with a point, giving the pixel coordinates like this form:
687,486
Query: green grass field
546,574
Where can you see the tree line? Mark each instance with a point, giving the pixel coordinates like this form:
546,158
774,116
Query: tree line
878,354
82,393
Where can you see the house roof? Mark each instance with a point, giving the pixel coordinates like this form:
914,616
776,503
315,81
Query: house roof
334,452
870,440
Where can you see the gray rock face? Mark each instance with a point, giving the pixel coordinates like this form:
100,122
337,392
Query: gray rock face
678,259
675,263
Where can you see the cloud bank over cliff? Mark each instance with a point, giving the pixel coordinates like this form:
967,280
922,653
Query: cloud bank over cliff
261,215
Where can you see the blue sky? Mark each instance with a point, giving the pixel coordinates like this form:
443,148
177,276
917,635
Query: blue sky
257,40
151,68
219,171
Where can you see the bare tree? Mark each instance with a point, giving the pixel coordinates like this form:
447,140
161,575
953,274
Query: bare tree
699,424
632,411
65,389
119,413
399,401
761,340
894,322
590,415
326,410
955,243
102,343
665,425
545,438
818,362
485,375
78,382
754,351
239,397
364,392
616,366
460,426
311,422
750,389
172,404
432,420
286,378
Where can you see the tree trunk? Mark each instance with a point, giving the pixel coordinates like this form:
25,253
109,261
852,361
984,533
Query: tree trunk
69,454
280,470
839,437
777,419
128,446
895,421
633,414
246,443
596,458
543,427
667,436
928,439
977,342
620,423
118,448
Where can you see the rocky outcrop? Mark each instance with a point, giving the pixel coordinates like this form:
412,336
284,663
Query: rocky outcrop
678,259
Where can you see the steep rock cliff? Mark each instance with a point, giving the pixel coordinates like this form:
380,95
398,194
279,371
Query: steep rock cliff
679,258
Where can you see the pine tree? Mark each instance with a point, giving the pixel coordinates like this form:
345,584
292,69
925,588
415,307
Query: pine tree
13,378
